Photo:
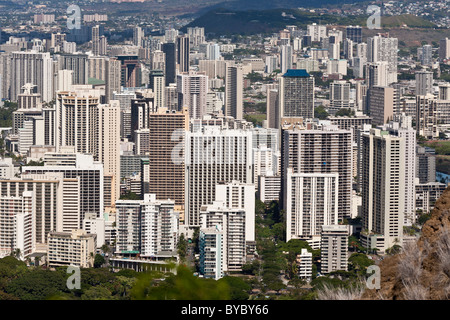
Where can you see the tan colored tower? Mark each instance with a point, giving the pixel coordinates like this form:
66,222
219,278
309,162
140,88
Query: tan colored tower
109,145
166,177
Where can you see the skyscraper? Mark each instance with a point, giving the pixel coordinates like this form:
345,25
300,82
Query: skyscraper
78,63
96,40
214,155
113,77
157,84
424,83
130,71
166,137
234,88
109,144
354,33
170,50
321,150
383,189
296,94
192,89
402,127
444,49
183,51
31,67
383,48
286,58
381,104
138,34
311,202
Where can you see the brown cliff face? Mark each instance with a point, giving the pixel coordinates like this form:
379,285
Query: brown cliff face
422,270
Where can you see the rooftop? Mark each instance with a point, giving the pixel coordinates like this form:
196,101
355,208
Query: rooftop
296,73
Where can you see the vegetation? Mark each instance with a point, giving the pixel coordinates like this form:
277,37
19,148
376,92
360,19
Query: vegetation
320,113
130,196
6,113
346,112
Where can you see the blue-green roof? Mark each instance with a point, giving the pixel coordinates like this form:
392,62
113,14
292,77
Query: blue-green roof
296,73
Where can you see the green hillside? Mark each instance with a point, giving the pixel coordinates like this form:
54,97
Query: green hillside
226,22
410,20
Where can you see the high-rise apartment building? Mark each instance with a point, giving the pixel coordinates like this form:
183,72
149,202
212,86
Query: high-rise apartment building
95,40
272,108
383,189
424,83
425,165
234,88
170,50
425,55
196,36
237,195
192,89
214,155
311,202
334,248
339,96
211,252
444,49
183,53
138,34
31,67
167,131
318,150
402,127
317,32
17,228
78,63
381,103
148,227
113,78
286,58
157,84
354,33
427,116
296,94
108,145
232,223
383,48
80,167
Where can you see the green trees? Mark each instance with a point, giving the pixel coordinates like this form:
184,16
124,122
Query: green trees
6,113
182,286
98,261
320,113
347,112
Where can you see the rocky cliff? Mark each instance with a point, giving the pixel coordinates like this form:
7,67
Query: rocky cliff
422,270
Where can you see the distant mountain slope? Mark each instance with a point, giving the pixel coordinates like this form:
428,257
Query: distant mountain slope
224,22
405,19
274,4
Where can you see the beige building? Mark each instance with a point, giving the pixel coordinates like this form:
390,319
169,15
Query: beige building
382,101
383,188
109,145
71,248
166,135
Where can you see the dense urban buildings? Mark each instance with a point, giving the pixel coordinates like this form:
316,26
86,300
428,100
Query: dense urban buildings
164,143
